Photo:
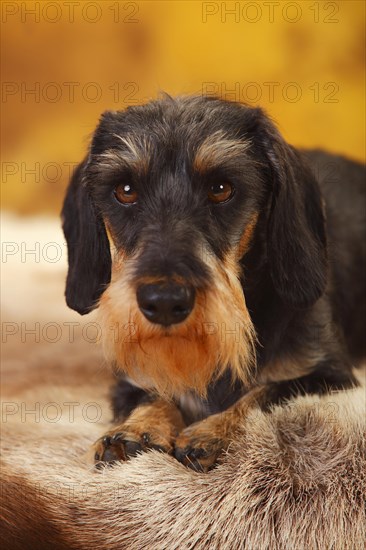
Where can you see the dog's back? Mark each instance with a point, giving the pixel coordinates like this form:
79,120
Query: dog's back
342,182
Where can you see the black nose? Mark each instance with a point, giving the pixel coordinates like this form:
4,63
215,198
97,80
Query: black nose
165,303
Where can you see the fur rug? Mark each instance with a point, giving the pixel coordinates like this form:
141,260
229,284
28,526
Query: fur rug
295,479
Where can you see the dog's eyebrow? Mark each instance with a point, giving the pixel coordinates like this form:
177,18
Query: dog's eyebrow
136,148
217,149
136,153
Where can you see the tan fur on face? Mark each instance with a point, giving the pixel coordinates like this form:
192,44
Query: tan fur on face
217,334
247,236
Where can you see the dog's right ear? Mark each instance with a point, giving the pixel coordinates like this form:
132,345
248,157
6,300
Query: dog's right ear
87,244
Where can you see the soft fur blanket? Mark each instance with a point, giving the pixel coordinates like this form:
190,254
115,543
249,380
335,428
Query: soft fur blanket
295,478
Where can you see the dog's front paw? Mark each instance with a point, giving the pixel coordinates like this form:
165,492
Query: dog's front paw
200,445
152,426
121,445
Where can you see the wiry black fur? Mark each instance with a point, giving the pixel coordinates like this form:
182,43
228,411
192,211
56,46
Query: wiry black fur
305,270
88,247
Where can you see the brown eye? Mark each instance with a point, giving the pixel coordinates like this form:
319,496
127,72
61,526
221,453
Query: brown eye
220,192
125,193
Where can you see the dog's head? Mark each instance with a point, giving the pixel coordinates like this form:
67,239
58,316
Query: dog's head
178,188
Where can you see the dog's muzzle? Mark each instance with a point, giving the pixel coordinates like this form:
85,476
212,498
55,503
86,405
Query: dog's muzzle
165,303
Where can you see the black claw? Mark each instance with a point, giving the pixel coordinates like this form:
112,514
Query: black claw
194,465
180,454
101,464
157,448
186,457
106,441
109,456
116,438
190,458
132,447
197,453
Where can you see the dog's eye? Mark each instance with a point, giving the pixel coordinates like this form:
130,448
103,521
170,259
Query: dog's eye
125,193
220,192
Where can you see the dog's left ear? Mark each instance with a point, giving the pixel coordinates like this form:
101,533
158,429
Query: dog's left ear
297,247
88,246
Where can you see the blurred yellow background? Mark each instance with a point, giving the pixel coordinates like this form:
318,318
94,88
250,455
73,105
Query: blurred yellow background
63,63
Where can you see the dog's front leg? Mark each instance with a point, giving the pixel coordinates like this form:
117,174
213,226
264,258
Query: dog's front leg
199,445
152,425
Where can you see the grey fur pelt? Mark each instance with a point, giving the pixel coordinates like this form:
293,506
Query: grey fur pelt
295,479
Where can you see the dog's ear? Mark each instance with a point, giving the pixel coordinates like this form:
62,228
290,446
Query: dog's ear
88,246
297,248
